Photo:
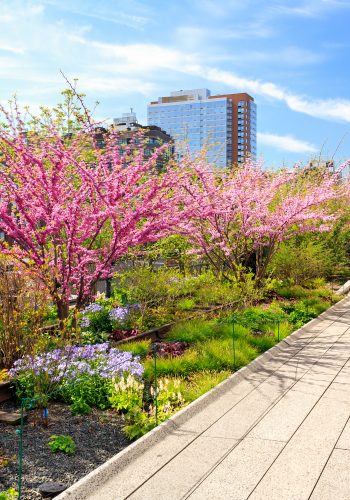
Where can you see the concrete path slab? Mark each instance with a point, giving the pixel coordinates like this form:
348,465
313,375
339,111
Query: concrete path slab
278,429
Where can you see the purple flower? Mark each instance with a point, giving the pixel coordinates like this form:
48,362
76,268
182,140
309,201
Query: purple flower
70,364
118,314
84,322
92,308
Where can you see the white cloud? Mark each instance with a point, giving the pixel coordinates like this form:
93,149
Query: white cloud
308,8
101,11
135,67
328,109
285,143
11,48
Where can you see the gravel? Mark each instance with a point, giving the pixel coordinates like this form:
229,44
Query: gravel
98,437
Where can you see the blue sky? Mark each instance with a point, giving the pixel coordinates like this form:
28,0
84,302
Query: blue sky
291,56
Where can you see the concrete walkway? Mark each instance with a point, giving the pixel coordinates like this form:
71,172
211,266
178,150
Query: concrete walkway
280,429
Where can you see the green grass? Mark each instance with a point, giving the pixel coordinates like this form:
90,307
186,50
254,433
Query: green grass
293,292
209,357
199,383
192,331
138,348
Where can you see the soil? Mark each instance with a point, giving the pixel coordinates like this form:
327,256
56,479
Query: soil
97,436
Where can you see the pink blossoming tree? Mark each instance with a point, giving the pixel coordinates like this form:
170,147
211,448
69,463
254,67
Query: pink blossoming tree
71,209
239,218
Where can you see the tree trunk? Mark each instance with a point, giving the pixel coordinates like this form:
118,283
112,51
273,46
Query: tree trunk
63,313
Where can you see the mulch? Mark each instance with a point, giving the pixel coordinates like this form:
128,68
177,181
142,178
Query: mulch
98,437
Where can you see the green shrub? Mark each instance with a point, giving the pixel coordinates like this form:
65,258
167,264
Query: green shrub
93,337
299,262
79,407
62,443
91,390
258,319
186,304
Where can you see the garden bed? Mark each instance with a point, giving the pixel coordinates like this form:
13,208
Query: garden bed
190,357
98,437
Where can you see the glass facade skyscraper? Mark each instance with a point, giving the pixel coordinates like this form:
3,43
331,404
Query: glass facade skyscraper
195,119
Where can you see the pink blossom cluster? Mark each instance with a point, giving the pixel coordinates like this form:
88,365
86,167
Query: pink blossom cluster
247,212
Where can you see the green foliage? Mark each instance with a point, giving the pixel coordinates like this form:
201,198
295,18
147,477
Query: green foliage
93,337
51,316
210,291
292,292
174,247
126,394
138,348
10,494
100,322
195,330
213,354
199,383
87,391
170,400
299,262
79,407
262,343
303,311
257,319
186,304
62,443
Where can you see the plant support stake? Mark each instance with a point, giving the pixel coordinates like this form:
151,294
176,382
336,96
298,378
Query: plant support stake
155,379
233,343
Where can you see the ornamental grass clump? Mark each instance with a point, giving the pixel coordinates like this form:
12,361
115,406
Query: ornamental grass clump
76,374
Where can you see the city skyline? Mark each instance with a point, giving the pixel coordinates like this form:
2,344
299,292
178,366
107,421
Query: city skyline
291,57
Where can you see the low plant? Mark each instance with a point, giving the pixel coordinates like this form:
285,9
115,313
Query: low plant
258,319
138,348
80,407
10,494
142,420
292,292
75,373
4,459
199,383
90,337
126,394
62,443
191,331
120,334
171,349
186,304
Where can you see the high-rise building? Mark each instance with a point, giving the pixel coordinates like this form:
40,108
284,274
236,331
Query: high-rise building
195,119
